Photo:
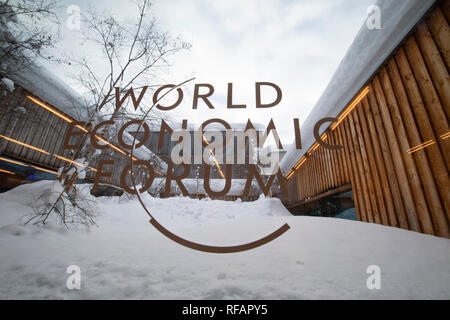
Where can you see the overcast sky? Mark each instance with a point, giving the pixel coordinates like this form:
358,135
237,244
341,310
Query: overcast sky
296,44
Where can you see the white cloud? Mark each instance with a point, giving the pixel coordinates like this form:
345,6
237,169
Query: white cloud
295,44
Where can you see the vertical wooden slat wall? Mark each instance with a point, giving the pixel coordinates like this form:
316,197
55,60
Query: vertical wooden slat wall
396,140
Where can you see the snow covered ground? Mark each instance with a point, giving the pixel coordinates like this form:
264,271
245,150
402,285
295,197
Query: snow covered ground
126,258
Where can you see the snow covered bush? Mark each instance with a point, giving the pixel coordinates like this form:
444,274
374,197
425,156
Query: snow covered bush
73,209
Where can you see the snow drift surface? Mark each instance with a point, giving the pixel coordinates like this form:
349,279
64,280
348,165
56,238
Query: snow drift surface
126,258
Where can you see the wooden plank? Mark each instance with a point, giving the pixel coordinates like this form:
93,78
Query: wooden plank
36,140
317,172
325,173
423,213
32,124
367,187
356,183
436,66
423,167
433,152
313,185
371,162
19,129
336,170
441,33
381,169
46,137
432,104
445,8
314,173
321,173
331,166
347,162
344,162
388,162
396,153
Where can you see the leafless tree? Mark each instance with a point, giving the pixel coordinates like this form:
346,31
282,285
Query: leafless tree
133,53
27,29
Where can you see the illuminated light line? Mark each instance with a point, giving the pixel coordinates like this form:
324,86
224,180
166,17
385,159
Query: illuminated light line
45,170
341,118
25,165
68,160
82,128
65,118
298,165
350,108
111,145
24,144
6,171
422,146
315,147
15,162
214,157
445,136
43,105
290,174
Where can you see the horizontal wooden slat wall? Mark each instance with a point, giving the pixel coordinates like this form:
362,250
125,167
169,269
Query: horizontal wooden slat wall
26,122
396,140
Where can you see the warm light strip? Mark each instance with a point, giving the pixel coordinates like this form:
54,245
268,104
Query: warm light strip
81,128
52,110
422,146
302,161
24,144
214,157
45,170
341,118
24,165
350,108
290,174
15,162
6,171
111,145
68,160
445,136
43,105
315,147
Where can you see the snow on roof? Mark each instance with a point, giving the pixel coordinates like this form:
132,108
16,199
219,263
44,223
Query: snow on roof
143,153
48,87
366,54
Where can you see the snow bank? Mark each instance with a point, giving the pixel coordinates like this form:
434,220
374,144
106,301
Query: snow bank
196,186
126,258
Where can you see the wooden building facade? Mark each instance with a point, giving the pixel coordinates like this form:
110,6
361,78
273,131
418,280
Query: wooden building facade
32,132
395,138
